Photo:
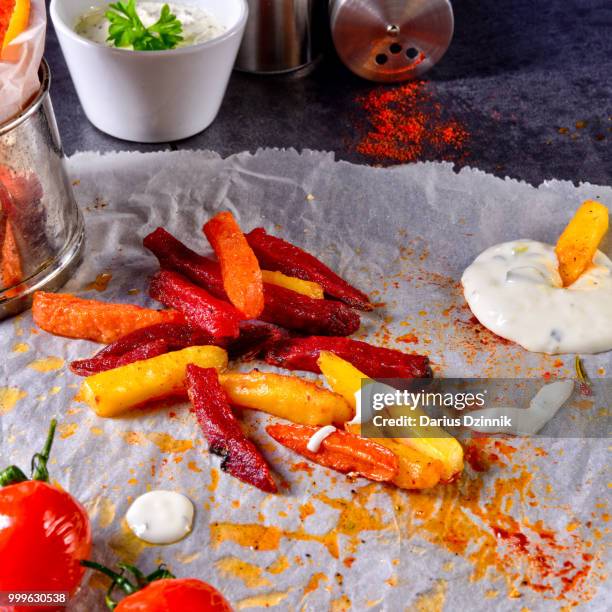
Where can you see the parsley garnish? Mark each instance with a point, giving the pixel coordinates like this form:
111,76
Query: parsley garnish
127,30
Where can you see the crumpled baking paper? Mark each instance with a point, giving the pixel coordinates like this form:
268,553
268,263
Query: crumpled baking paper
20,62
402,234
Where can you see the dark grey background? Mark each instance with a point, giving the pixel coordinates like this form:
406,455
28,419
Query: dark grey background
516,72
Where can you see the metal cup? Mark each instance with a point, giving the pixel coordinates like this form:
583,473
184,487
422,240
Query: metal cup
281,35
41,228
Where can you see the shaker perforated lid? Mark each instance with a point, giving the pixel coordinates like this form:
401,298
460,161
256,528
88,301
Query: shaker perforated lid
391,40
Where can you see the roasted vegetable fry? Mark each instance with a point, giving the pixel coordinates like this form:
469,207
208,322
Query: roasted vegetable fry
217,318
308,288
63,314
10,261
374,361
115,391
239,267
340,451
87,367
282,306
276,254
172,254
415,470
225,437
307,315
343,377
434,442
289,397
579,241
142,344
254,338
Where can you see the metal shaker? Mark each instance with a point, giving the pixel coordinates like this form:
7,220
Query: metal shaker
391,40
41,229
280,36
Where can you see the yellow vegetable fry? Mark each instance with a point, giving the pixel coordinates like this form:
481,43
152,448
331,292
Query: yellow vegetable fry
415,470
579,241
343,377
288,397
433,442
115,391
309,288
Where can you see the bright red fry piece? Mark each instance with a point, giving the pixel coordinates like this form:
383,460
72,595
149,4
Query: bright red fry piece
216,317
282,306
142,344
225,437
277,254
341,451
240,269
374,361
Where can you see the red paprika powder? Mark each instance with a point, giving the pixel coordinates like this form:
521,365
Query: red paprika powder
406,124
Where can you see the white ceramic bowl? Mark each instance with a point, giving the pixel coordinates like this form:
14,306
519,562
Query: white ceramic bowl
151,96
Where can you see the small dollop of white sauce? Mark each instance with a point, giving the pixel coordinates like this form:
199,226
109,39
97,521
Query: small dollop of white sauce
198,25
514,289
542,408
160,517
314,444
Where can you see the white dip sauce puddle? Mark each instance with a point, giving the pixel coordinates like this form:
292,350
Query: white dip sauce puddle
542,409
515,290
160,517
198,25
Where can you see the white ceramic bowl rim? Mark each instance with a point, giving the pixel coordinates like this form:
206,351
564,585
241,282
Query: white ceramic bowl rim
59,23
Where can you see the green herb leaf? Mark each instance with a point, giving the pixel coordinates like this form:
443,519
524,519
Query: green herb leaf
127,30
168,28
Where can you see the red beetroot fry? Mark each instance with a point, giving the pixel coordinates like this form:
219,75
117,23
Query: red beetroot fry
87,367
255,337
282,306
374,361
180,335
277,254
174,255
217,318
225,437
308,315
341,451
141,344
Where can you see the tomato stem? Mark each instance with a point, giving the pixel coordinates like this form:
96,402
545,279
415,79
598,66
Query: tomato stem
119,580
13,475
39,461
160,573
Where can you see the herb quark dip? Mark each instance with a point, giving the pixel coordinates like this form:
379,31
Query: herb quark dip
198,25
514,289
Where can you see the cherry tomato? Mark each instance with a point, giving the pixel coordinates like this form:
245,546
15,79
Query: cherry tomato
44,534
175,595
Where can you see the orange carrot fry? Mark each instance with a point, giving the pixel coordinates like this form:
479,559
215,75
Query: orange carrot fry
240,270
340,451
10,259
63,314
